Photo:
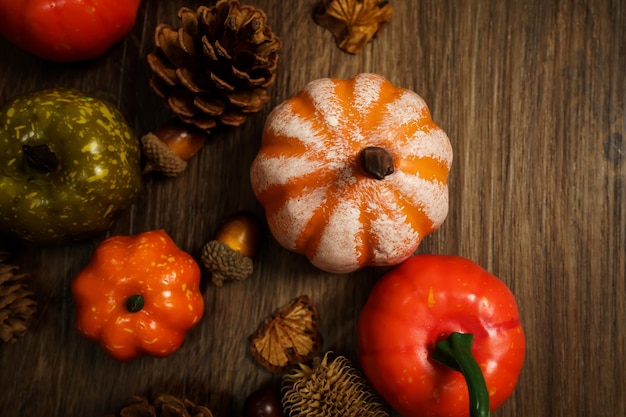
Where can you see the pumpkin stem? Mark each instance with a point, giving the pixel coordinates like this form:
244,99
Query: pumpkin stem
41,157
134,303
376,162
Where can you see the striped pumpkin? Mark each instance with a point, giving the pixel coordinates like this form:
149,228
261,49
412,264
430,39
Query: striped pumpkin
352,173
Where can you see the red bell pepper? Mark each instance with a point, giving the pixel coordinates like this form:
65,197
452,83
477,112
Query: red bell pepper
66,30
440,336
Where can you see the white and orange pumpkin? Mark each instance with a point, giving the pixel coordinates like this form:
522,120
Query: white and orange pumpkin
352,173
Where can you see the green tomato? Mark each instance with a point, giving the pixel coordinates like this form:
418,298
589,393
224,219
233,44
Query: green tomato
69,164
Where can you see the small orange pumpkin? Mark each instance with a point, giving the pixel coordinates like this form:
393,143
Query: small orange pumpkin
352,173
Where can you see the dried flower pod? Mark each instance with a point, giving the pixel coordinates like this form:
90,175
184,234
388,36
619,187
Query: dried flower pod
17,306
329,387
161,406
288,337
229,255
353,23
168,149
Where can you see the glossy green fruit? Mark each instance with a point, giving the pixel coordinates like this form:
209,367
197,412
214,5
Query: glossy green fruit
69,163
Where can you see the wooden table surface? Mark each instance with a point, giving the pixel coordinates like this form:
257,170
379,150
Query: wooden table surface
531,93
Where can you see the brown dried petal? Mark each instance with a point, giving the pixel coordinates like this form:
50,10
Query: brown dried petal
290,336
353,23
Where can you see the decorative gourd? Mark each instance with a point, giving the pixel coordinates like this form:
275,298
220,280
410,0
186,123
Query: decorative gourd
352,173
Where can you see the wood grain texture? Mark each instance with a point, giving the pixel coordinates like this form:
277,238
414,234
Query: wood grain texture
532,94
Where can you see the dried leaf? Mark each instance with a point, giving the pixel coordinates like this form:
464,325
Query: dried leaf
353,23
290,336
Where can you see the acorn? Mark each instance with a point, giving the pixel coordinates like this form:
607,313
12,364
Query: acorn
168,149
264,402
229,255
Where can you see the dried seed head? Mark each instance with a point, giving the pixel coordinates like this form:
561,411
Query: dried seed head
329,387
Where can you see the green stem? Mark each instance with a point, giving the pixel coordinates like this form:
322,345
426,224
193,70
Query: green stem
455,352
41,157
134,303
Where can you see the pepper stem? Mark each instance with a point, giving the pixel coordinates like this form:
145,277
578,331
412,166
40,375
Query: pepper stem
41,157
134,303
455,352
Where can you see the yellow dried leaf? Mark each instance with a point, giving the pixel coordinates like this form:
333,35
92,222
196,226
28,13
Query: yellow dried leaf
288,337
353,23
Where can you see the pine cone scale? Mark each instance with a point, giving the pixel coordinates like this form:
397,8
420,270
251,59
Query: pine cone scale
186,43
160,87
167,41
181,101
189,21
165,73
209,105
186,78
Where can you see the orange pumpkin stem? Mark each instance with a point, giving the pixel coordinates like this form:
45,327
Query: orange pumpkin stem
376,162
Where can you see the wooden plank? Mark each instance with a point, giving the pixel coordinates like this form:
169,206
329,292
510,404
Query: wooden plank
533,97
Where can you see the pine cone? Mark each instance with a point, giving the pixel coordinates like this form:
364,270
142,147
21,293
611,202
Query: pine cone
17,308
216,68
163,405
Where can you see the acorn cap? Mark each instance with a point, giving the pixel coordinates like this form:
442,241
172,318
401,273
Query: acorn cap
160,157
225,263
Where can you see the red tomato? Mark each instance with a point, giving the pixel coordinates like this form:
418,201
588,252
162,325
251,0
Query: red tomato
66,30
418,304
